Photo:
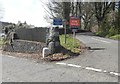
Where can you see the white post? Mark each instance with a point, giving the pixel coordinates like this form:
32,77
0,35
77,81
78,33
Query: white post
45,51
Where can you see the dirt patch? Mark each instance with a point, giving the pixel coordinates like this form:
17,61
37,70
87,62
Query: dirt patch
56,57
23,55
38,56
83,48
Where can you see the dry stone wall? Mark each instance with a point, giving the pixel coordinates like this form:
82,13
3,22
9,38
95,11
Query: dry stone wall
25,46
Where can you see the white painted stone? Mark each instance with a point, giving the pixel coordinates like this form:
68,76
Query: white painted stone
45,52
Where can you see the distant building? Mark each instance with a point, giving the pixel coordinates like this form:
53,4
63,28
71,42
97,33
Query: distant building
24,25
31,26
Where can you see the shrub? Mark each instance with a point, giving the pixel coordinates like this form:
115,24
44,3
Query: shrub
102,33
112,31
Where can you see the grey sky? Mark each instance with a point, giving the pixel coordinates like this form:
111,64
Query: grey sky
31,11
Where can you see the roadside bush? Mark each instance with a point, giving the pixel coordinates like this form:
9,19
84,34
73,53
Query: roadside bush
102,33
112,31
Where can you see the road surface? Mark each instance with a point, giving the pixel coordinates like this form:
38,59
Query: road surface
100,64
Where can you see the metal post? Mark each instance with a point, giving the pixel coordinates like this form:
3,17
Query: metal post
65,30
73,39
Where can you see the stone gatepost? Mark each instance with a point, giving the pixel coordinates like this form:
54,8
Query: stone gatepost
54,41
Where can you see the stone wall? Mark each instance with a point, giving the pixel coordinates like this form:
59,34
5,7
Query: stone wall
34,34
34,40
25,46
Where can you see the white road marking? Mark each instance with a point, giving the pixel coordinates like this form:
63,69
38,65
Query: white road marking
117,74
89,68
100,40
8,78
61,63
11,57
93,69
104,71
73,65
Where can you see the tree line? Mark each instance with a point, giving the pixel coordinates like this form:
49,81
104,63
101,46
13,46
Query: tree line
104,15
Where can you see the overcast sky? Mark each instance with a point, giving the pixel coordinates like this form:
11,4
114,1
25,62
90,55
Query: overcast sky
31,11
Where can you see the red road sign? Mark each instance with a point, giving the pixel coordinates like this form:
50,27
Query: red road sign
74,22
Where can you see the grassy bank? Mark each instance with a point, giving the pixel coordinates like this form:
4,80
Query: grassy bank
115,37
69,43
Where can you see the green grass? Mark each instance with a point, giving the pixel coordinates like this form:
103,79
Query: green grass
2,41
69,43
115,37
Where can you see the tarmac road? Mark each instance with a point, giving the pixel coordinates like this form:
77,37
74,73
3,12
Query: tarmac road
103,53
100,64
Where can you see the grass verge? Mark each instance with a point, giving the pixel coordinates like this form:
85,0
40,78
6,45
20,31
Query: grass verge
115,37
69,43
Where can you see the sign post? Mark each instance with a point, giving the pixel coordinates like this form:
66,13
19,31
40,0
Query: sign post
73,39
65,23
65,30
74,24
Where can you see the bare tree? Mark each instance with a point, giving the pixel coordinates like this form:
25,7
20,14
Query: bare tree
58,10
87,11
117,22
53,10
101,10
